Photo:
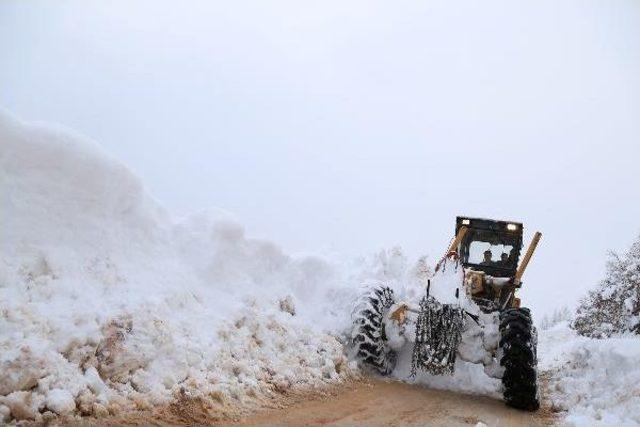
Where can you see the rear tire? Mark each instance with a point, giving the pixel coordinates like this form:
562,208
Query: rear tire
519,358
369,339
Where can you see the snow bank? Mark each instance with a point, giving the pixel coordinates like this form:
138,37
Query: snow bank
596,381
107,304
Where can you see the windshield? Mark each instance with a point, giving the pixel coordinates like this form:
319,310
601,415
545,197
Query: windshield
485,253
491,249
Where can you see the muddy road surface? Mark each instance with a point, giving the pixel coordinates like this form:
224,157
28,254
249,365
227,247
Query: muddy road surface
370,403
386,403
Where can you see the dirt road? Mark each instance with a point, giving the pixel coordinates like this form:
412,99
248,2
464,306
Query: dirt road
381,403
370,403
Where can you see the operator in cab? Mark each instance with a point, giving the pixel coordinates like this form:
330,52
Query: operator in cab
487,258
504,259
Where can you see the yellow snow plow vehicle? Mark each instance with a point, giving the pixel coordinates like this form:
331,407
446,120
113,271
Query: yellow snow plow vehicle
469,311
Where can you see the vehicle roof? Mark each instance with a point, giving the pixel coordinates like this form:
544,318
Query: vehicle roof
461,217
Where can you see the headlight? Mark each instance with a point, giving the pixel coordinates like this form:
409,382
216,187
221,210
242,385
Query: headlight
512,227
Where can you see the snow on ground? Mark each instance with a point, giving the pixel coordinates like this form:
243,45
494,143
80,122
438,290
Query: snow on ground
467,378
107,304
596,381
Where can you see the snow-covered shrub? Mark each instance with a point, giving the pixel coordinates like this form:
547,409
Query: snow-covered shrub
562,314
614,306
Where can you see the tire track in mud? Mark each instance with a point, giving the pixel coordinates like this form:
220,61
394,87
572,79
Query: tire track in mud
368,402
390,403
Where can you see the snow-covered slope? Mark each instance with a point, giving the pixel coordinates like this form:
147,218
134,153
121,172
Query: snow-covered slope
106,303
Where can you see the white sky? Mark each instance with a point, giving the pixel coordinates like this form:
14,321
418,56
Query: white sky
353,126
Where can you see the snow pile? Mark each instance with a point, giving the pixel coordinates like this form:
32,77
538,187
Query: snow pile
595,376
614,307
106,304
467,378
596,381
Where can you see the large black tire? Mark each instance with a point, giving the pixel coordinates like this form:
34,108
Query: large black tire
368,335
518,343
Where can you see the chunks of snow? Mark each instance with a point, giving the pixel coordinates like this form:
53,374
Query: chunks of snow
107,303
596,381
5,414
60,401
22,405
94,382
446,284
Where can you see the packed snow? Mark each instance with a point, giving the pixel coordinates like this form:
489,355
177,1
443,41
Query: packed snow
597,381
108,304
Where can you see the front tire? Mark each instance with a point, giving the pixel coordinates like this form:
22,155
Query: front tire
368,337
519,358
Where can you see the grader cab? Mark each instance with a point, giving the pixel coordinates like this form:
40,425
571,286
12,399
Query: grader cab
489,250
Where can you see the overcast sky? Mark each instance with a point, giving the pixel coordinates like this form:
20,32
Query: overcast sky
357,125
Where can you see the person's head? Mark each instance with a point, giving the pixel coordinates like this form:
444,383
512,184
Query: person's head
487,255
504,257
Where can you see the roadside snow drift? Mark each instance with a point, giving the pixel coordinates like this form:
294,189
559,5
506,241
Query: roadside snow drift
596,381
106,304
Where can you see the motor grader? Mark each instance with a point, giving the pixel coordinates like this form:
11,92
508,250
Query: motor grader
469,311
